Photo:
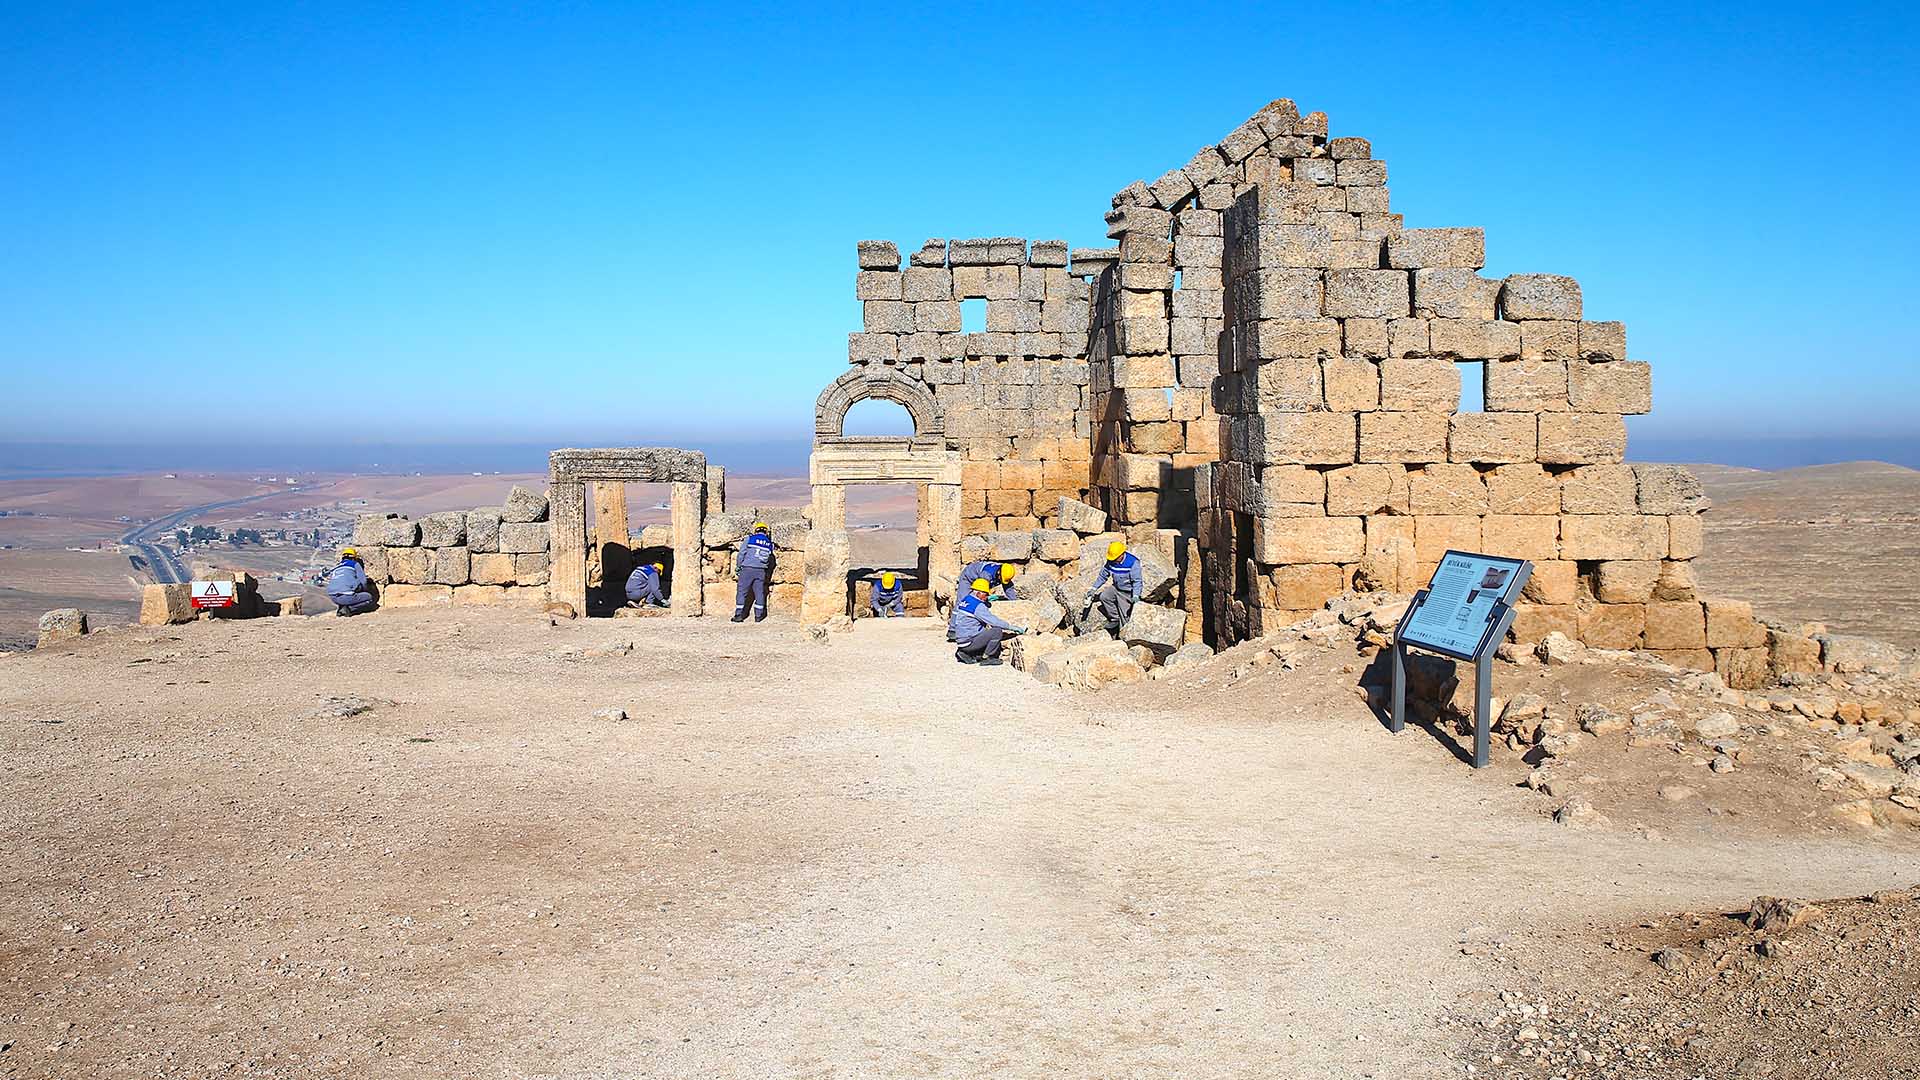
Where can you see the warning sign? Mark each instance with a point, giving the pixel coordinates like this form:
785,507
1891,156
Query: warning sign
212,594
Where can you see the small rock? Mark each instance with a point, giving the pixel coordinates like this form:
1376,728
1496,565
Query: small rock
610,714
1558,648
1716,726
1673,959
1722,764
1577,812
1677,793
1596,719
1777,915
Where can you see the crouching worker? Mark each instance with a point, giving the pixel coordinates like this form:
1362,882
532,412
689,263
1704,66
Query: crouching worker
643,586
995,574
978,630
887,598
755,563
347,585
1117,588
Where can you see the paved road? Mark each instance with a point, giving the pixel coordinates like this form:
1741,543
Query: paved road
165,568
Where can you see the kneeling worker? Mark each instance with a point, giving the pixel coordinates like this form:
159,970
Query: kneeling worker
887,597
994,573
756,561
1117,588
643,586
978,629
347,585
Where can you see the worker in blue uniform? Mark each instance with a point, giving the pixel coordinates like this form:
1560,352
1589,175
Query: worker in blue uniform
755,563
978,630
1117,588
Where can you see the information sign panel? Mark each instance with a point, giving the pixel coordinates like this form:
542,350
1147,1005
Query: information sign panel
1462,604
212,594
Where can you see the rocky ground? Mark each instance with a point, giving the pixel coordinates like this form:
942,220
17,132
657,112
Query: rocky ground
490,844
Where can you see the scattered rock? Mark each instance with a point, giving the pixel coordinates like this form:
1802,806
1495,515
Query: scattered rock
1716,726
1188,655
610,714
1597,719
61,624
559,608
1677,792
1777,915
1558,648
1674,960
339,708
1722,764
1578,812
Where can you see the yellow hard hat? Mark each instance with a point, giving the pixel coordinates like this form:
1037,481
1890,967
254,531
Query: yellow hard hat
886,580
1006,571
659,568
980,585
349,553
1115,550
761,526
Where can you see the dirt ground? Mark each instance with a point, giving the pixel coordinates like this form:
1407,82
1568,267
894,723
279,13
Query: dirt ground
794,859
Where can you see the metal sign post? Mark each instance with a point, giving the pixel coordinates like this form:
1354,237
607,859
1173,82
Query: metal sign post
1463,613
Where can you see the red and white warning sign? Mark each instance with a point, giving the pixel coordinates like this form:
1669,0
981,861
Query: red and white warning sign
212,594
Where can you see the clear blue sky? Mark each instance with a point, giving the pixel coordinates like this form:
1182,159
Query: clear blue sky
580,223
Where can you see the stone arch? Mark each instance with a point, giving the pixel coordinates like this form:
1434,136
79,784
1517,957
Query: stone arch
830,410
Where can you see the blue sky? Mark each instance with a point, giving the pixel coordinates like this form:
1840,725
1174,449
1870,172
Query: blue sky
580,223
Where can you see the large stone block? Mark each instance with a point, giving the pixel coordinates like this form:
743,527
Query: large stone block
878,255
1521,536
1669,489
1731,625
1367,294
1281,385
408,566
1613,626
1580,438
1279,294
1435,535
1274,338
1079,517
1473,339
1603,340
1454,294
1676,624
1408,437
483,529
400,595
1598,489
1447,488
385,530
1350,385
1527,386
1626,581
1540,296
450,566
524,505
1363,490
1416,249
1419,385
1610,386
448,529
1549,339
1532,622
1162,629
877,285
1306,586
162,605
1492,437
1588,537
1554,581
524,537
1308,540
1686,536
1320,438
1522,488
490,568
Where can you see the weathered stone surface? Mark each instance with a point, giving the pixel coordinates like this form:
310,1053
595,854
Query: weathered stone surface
1742,669
1415,249
61,624
1580,438
1447,488
409,566
1598,489
161,605
443,530
1056,545
1419,385
1520,536
1613,626
1731,625
1626,581
533,569
408,596
1079,517
1613,536
1488,438
1308,540
1522,489
520,538
1359,490
1540,296
449,566
1676,624
483,529
1847,654
490,568
1367,294
1669,489
1162,629
1454,294
385,530
879,255
1527,386
1408,437
1610,386
1306,586
524,505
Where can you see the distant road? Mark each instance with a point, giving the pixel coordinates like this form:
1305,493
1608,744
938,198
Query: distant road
167,569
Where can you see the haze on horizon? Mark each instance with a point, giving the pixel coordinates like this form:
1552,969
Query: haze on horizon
256,230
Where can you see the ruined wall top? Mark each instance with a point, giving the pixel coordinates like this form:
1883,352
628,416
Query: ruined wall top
633,464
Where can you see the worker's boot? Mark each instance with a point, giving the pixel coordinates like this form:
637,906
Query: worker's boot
739,616
760,616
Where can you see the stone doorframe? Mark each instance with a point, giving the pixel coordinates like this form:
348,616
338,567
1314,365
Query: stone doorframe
568,474
841,460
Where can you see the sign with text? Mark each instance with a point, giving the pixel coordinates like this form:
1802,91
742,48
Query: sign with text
212,594
1469,593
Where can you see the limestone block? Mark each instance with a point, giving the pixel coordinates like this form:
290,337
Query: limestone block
534,569
1473,339
1492,437
1447,488
1047,253
934,317
1320,438
1024,652
1009,502
1676,624
1362,173
1527,386
1407,337
890,317
483,529
1350,385
1610,386
1364,337
1279,246
931,253
519,538
1389,562
923,284
1549,339
1192,303
1696,659
1283,384
1308,540
1626,581
1598,489
1731,625
1554,581
374,562
1417,249
1364,490
1435,535
1534,537
1136,275
449,566
1306,586
1789,651
1539,296
1454,294
524,505
1077,516
1742,669
1578,438
878,254
872,348
1533,622
1419,385
482,596
1286,484
1613,626
162,605
877,285
1274,338
1522,488
1676,582
1603,340
408,566
490,568
385,530
1589,537
1161,629
1668,489
1410,437
1686,536
1003,546
443,530
409,596
1367,294
1056,545
1279,294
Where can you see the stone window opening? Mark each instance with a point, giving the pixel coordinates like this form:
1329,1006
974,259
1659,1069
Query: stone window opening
973,315
1473,386
877,417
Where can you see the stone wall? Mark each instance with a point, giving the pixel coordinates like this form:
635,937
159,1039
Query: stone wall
1014,396
720,541
489,555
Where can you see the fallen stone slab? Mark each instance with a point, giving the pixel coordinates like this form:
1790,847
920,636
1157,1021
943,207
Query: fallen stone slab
164,605
1161,629
61,624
